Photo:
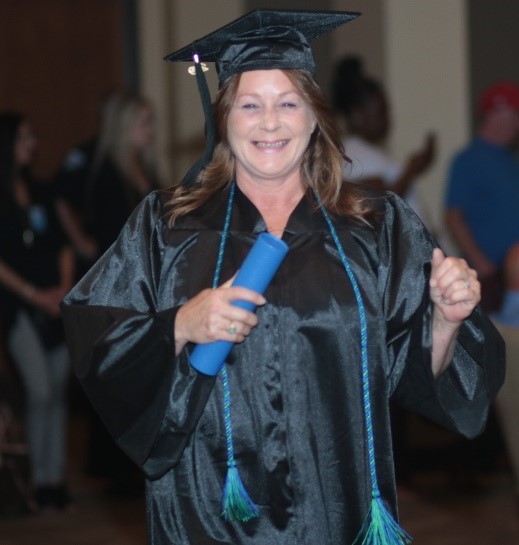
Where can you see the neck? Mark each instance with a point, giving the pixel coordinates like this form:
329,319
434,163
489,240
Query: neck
272,194
274,200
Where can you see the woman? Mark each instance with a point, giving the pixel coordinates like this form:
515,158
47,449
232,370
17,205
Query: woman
36,270
290,412
119,173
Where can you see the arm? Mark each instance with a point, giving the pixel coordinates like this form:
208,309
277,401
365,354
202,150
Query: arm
66,269
418,163
45,299
443,366
119,322
83,243
11,280
455,292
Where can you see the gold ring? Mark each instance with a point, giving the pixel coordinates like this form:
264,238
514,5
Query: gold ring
231,329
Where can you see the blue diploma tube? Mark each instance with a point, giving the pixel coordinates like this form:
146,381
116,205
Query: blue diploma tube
255,274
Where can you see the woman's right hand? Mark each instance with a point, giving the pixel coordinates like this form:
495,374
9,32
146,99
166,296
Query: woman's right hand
211,316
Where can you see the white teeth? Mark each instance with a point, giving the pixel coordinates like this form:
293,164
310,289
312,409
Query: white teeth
271,145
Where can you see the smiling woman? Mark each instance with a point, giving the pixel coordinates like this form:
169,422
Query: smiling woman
363,309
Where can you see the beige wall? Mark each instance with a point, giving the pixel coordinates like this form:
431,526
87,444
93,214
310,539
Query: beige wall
154,39
363,37
427,80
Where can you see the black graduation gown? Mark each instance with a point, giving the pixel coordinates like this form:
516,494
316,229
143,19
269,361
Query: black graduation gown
296,389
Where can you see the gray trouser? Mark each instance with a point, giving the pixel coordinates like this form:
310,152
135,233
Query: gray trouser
44,374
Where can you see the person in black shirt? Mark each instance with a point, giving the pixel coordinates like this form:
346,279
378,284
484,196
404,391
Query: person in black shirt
36,270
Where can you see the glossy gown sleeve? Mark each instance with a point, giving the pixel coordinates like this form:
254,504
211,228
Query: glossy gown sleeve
121,341
460,397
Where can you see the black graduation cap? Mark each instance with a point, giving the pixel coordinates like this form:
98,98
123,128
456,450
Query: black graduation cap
264,39
259,40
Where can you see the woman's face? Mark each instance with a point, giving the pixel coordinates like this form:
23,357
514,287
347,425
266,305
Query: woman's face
143,129
269,126
25,145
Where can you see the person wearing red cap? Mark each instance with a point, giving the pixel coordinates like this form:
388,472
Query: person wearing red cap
482,198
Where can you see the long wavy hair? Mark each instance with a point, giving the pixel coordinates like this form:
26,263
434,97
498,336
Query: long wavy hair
321,164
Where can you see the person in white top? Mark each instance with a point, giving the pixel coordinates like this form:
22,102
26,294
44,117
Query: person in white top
363,103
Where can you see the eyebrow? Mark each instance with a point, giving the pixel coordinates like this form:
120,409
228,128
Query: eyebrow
257,95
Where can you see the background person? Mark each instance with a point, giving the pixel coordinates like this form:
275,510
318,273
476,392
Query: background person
36,270
100,184
97,190
482,195
363,103
70,184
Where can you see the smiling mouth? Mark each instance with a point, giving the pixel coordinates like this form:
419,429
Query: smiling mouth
270,145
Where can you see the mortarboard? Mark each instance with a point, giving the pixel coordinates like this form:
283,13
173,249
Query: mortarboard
259,40
264,39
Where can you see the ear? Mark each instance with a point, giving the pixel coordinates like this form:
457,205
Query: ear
314,123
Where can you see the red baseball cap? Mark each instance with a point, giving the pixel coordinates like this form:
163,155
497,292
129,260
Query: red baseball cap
503,93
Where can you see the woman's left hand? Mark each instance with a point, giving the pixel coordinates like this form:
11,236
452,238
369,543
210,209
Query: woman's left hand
454,288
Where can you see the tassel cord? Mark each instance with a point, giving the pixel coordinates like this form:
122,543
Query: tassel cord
208,113
379,526
236,503
364,354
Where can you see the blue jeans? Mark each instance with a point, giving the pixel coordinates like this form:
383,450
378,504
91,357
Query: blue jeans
44,373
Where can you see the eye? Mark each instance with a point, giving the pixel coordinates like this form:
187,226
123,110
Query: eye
249,106
289,105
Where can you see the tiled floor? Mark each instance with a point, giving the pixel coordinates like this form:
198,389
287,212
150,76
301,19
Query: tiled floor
433,510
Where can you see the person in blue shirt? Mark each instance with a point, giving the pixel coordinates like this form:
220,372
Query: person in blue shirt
482,199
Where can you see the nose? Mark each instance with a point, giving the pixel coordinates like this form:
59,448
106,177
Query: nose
270,118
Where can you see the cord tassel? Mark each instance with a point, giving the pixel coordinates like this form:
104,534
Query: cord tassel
236,502
210,133
380,527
